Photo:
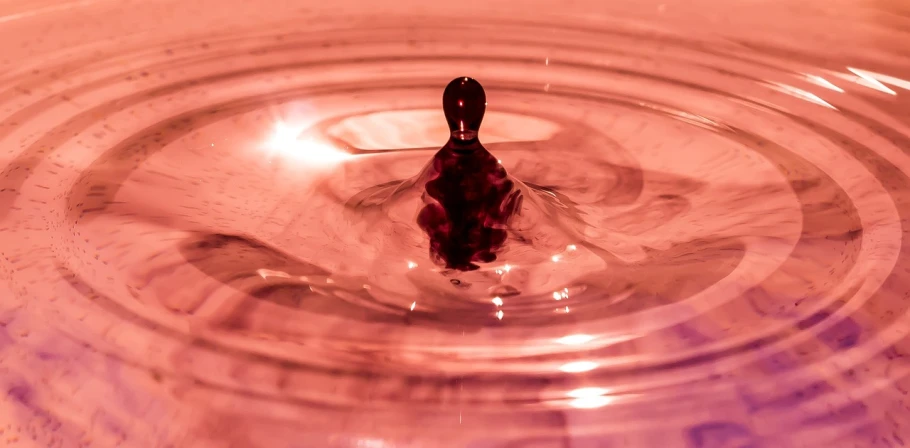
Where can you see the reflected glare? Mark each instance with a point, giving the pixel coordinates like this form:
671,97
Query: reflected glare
266,273
591,402
819,81
285,142
801,94
880,78
865,79
586,392
589,397
575,339
578,366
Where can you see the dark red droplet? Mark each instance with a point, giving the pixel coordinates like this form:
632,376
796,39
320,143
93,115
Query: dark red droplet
464,103
470,198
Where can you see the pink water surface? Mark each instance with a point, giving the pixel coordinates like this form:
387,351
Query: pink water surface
209,237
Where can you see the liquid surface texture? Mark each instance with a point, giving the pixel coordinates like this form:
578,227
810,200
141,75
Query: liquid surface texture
234,224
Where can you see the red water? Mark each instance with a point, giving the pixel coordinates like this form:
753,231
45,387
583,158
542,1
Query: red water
211,230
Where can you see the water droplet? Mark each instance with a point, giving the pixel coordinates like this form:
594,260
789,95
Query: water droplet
464,103
469,197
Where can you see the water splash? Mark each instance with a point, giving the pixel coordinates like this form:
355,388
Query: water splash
211,238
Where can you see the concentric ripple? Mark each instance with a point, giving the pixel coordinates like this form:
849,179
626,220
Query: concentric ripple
209,236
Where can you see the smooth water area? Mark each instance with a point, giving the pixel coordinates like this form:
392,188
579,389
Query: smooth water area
209,233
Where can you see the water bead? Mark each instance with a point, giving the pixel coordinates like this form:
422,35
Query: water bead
469,197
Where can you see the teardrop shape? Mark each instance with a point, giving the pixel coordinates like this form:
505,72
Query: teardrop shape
469,198
464,103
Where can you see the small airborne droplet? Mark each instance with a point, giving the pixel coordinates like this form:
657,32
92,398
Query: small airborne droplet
464,103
